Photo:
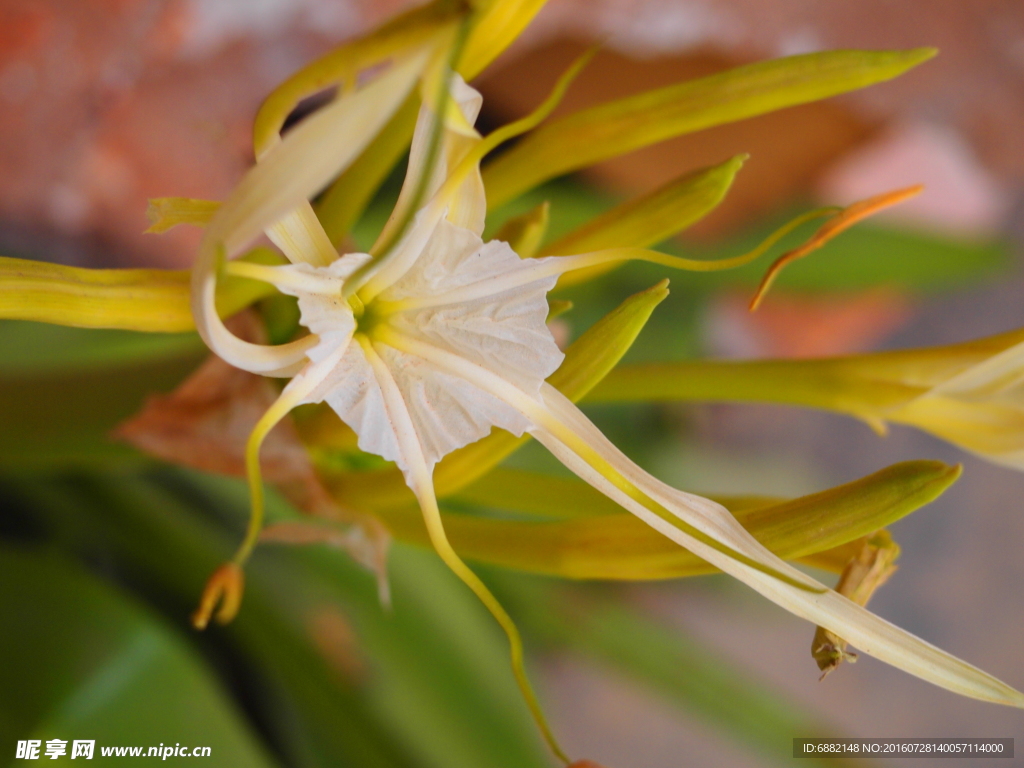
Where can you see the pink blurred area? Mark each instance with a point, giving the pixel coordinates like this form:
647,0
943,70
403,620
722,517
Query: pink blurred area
110,102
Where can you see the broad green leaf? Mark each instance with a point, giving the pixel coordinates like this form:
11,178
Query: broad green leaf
616,545
621,126
648,220
440,680
587,361
150,300
62,390
341,679
525,233
84,661
42,350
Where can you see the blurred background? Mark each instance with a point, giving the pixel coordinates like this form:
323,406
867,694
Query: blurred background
110,102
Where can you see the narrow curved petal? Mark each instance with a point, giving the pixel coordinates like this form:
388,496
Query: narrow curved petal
470,206
301,237
418,470
711,532
305,160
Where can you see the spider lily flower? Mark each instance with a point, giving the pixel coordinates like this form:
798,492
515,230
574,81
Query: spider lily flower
435,337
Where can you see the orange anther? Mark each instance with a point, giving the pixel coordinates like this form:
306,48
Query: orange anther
223,589
840,222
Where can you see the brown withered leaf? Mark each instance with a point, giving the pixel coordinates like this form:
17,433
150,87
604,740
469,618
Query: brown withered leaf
205,423
865,573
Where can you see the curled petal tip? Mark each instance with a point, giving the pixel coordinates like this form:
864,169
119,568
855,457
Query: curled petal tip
223,594
584,764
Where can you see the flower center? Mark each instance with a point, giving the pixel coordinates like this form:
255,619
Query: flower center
368,316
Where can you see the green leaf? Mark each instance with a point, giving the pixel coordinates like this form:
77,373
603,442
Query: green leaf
62,390
83,661
441,681
602,543
618,127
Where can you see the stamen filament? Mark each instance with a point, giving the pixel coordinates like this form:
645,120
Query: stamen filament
420,481
531,270
285,277
226,584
